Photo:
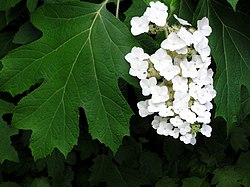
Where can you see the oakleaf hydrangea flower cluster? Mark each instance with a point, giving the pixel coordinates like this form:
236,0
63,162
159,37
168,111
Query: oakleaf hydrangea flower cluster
176,78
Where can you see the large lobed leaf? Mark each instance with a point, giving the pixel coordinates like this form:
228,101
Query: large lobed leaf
80,57
230,44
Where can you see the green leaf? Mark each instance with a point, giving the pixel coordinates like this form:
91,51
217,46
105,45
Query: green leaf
238,139
172,4
230,43
167,181
242,167
194,182
5,107
233,3
245,103
26,34
151,166
6,4
80,57
186,10
136,9
40,182
55,168
9,184
226,176
105,170
58,1
31,5
7,150
6,42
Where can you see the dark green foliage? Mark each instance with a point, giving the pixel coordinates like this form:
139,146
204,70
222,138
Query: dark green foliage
70,154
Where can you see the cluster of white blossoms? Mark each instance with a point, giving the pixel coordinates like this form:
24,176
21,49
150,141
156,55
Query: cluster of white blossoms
176,78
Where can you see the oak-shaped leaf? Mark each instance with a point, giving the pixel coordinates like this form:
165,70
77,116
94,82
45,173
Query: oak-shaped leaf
230,43
79,58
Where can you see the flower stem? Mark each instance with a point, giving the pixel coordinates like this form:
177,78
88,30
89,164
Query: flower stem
117,9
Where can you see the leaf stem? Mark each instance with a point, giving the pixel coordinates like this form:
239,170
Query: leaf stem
117,9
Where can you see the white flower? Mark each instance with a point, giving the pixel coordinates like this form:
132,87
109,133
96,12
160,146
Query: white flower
194,89
206,94
186,138
180,84
204,117
166,111
175,133
204,77
157,13
169,72
173,42
187,115
206,130
159,94
181,96
136,54
156,122
164,128
198,108
155,107
185,36
142,106
188,69
179,106
201,44
147,84
193,140
184,128
183,50
203,26
139,69
139,25
209,105
181,21
176,121
161,59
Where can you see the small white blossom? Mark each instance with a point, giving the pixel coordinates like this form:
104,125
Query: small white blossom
156,122
164,128
188,115
157,13
136,54
139,25
185,36
142,106
198,108
159,94
204,117
173,42
175,133
166,111
161,59
201,44
179,106
204,77
181,21
169,72
176,121
147,84
180,84
139,69
186,138
183,50
206,130
188,69
203,26
184,128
